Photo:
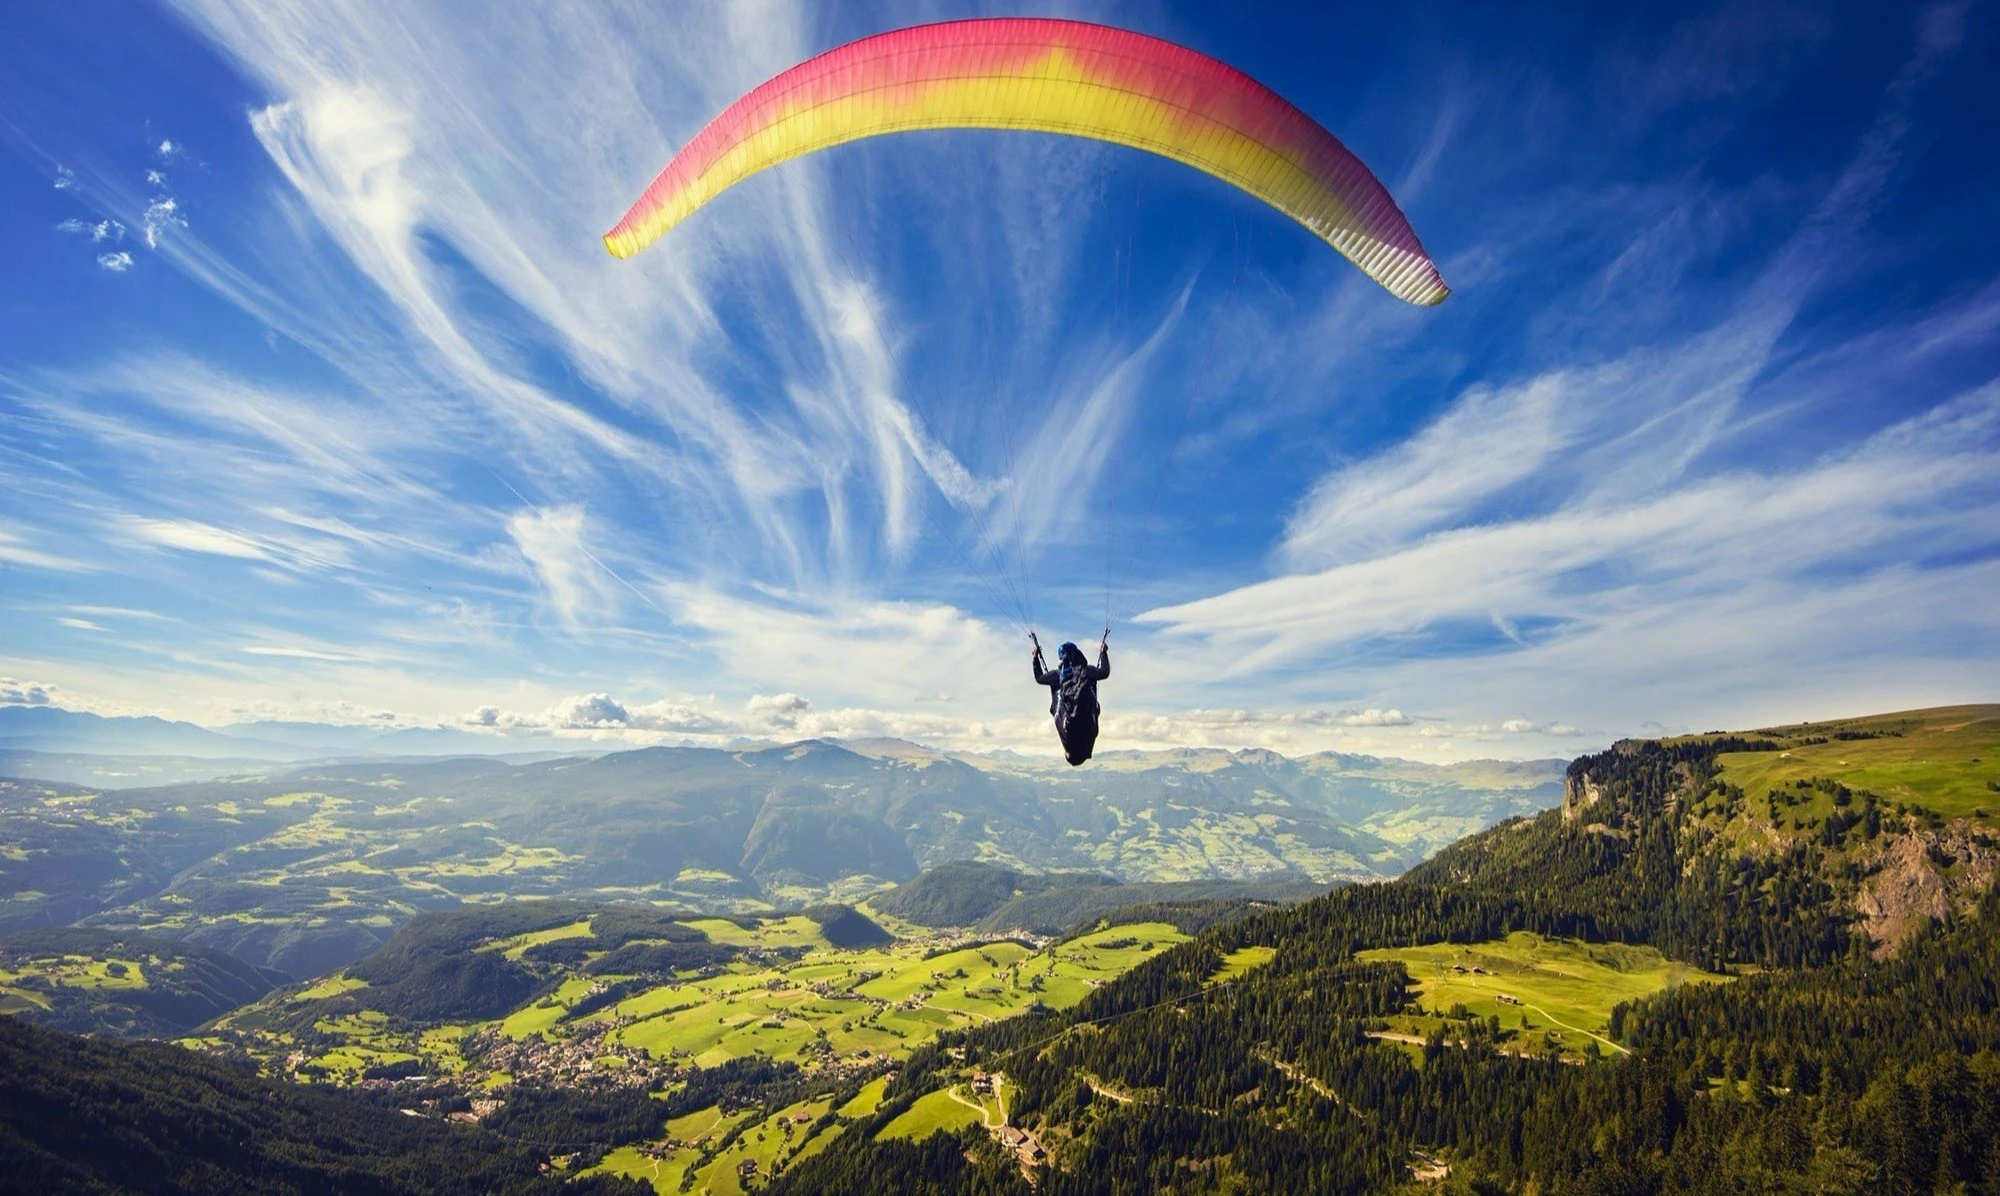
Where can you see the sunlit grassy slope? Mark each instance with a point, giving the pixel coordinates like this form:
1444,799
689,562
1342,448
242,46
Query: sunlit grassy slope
792,995
777,1009
1946,759
1558,982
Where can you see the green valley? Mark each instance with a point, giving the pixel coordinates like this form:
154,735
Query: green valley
305,869
1740,926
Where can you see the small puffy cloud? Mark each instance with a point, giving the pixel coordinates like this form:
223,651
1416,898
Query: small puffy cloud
589,711
777,710
65,178
1522,726
96,230
160,216
157,178
117,263
169,149
25,693
777,704
602,712
1375,718
675,718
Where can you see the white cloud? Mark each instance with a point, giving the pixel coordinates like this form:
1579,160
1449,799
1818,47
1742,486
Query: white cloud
156,178
189,535
15,551
25,693
65,178
1486,443
1524,726
293,652
1376,718
79,624
589,711
101,230
119,612
162,214
601,714
575,584
117,263
1929,480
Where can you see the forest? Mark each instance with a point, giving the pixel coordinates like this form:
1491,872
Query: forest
1823,1066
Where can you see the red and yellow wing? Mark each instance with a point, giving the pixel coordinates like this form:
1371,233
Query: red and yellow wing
1050,76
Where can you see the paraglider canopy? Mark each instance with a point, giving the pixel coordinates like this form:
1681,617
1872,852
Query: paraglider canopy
1050,76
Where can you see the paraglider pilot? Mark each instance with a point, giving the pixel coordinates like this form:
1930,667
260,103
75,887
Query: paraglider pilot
1073,701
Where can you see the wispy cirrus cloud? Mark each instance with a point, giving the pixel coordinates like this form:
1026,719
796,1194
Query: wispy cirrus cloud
16,550
188,535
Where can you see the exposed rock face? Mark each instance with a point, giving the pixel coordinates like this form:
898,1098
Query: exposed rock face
1580,792
1925,875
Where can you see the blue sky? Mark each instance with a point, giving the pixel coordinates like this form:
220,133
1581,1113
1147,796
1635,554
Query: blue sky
319,398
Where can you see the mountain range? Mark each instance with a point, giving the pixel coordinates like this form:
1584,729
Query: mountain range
304,868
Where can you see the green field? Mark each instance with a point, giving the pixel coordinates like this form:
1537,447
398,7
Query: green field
867,1101
1946,759
932,1113
330,987
517,946
791,996
1557,984
545,1013
79,971
785,1009
67,971
1243,960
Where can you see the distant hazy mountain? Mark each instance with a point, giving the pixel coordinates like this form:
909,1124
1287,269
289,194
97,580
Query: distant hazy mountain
305,868
53,729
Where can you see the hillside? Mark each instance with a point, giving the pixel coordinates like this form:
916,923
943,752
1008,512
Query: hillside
994,900
306,870
1784,1034
86,1116
128,985
455,993
648,1044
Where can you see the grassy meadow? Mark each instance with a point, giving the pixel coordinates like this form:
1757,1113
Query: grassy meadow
1555,984
1946,759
